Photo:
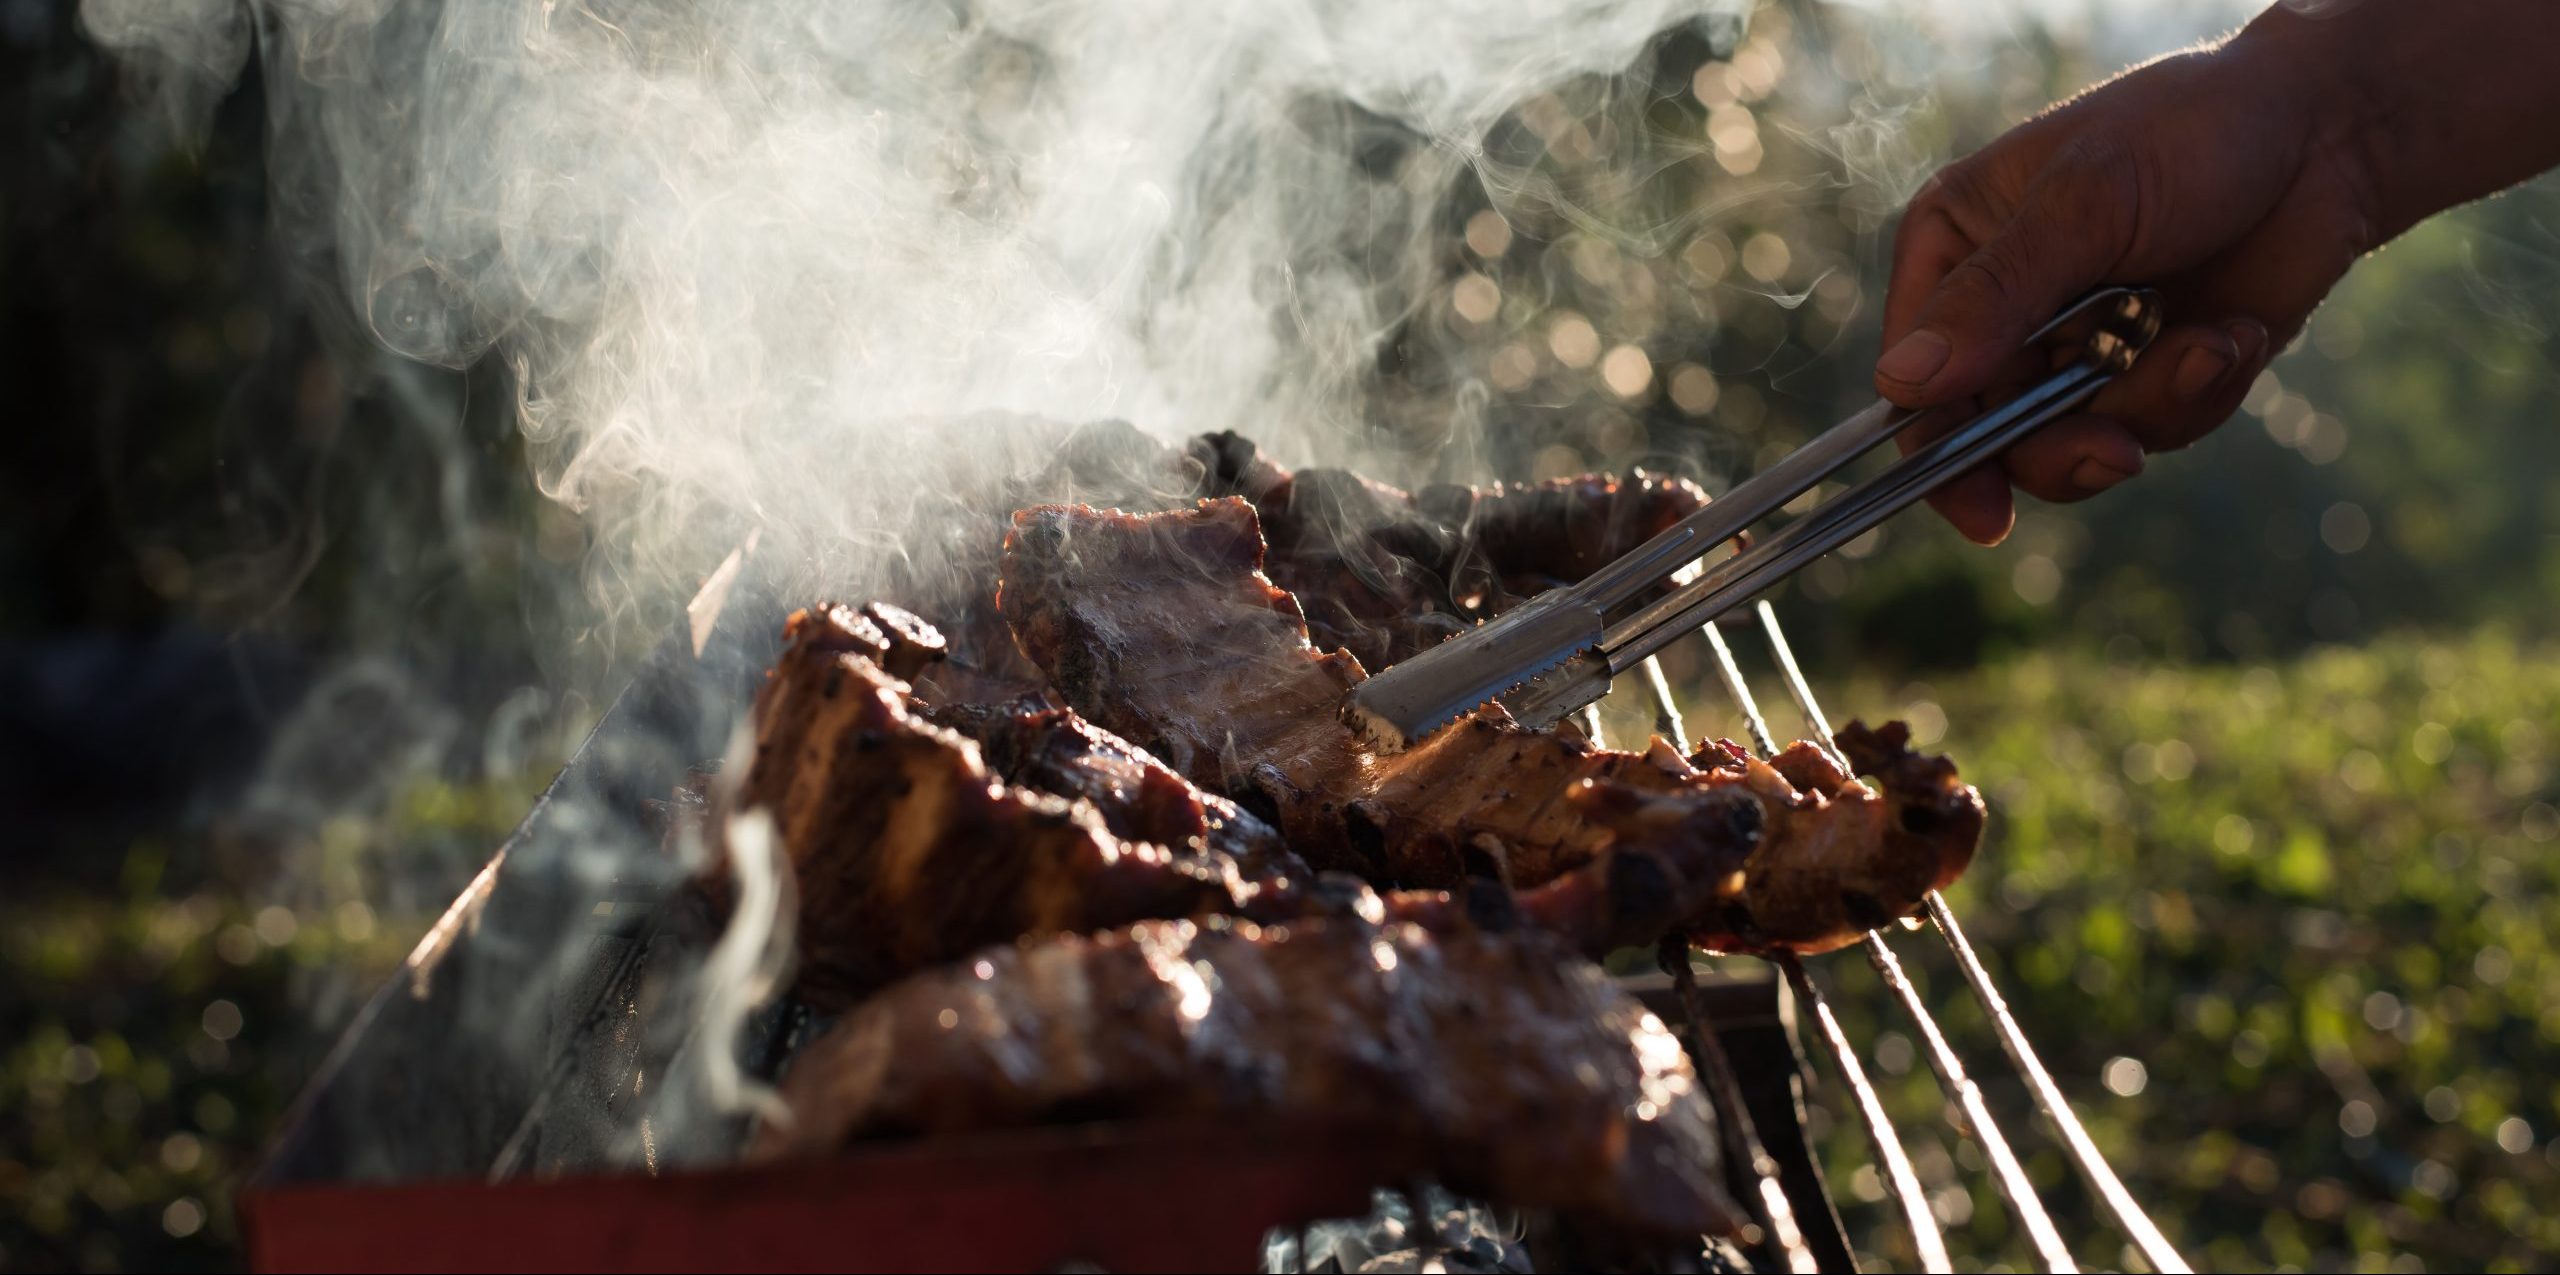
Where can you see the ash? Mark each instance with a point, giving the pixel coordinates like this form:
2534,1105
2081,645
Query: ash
1453,1235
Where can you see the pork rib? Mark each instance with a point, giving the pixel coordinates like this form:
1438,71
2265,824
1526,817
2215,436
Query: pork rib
906,851
1523,1075
1051,750
1163,629
1384,573
1380,571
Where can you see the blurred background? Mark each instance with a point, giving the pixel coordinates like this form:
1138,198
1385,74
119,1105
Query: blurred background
2272,736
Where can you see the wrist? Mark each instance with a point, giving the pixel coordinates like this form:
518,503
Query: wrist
2350,107
2420,104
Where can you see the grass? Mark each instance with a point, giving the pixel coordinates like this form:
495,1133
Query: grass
2312,901
151,1036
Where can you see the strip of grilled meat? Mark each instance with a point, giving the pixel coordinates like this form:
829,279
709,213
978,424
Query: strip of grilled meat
1163,629
1051,750
1380,572
1384,573
906,851
1522,1075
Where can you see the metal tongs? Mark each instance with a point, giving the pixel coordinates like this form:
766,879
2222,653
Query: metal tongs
1555,654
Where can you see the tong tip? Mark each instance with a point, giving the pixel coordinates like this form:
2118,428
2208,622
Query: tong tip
1408,701
1378,730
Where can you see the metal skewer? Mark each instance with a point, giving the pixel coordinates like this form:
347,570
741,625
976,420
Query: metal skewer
1927,1244
1972,1116
1752,721
1968,1108
1798,688
2101,1179
1971,1113
1666,712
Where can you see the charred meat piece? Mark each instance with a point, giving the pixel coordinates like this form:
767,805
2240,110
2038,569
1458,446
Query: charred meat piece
1163,629
1518,1073
1384,574
1052,750
906,851
1029,745
957,526
1563,529
1846,857
899,641
1380,572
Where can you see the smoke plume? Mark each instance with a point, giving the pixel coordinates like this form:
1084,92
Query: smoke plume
754,264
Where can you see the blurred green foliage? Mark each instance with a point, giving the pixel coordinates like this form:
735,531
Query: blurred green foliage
2312,902
132,1116
153,1034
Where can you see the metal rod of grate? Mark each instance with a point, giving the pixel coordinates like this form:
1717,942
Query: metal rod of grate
2083,1153
1971,1115
1967,1111
1895,1165
1741,1135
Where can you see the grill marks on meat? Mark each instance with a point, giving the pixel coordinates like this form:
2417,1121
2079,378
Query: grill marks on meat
1052,750
907,853
1456,1043
1163,629
1384,574
1845,858
1380,572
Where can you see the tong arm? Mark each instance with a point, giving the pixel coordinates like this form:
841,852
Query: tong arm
1556,653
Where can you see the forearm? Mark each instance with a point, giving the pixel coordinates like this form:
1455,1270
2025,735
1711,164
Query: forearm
2439,101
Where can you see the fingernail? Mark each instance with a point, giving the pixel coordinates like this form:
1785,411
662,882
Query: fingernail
2093,474
1914,358
2249,337
2199,370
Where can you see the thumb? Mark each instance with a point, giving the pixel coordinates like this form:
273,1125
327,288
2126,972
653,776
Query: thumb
2066,236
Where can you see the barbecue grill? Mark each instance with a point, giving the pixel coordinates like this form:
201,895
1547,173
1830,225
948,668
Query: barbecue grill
558,1103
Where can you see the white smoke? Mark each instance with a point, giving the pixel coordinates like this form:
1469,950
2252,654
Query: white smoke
752,260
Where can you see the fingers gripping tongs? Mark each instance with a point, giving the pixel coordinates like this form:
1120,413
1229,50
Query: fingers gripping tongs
1555,653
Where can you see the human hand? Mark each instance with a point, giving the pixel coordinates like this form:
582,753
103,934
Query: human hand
2224,178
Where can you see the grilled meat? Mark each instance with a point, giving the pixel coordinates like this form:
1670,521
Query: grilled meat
1846,857
1051,750
1521,1075
957,527
906,851
1163,847
1380,572
1384,574
1163,629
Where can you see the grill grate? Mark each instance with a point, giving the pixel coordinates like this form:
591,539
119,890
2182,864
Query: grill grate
1967,1113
